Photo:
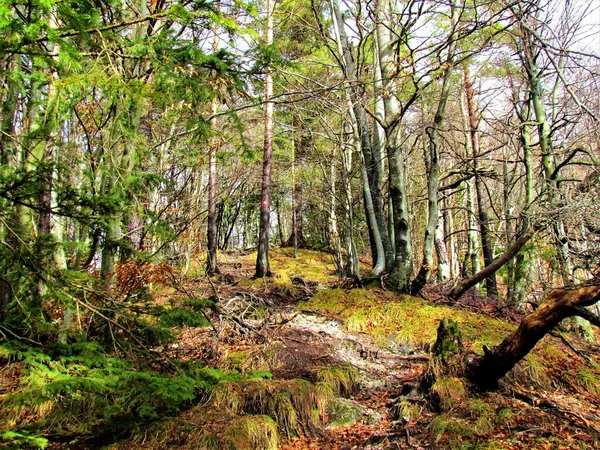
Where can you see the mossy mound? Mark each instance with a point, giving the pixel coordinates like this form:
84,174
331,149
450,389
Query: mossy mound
203,429
312,266
292,404
408,319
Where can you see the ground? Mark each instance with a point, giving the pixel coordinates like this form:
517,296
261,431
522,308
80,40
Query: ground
323,366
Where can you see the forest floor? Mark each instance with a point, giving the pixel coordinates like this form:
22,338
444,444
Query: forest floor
337,368
301,325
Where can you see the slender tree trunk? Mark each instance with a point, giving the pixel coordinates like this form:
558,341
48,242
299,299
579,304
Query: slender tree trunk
352,269
496,264
433,175
401,271
262,257
529,58
15,231
450,240
508,228
296,238
386,231
523,267
333,226
362,141
442,251
491,285
472,256
211,231
279,221
294,201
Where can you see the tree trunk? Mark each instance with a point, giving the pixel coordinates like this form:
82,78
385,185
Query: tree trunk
401,271
472,255
523,268
442,251
433,172
211,231
333,225
488,256
486,370
262,257
496,264
370,168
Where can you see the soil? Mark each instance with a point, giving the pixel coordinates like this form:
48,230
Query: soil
259,321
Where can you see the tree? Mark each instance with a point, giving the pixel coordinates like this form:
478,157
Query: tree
262,258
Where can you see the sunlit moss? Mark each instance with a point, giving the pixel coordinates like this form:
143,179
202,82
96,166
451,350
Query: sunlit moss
453,428
344,412
251,433
449,392
342,379
291,403
533,369
310,265
410,320
504,416
586,381
406,411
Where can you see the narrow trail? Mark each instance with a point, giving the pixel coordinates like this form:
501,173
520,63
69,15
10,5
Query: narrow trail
275,335
267,325
384,375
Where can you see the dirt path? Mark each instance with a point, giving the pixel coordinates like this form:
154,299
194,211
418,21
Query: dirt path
256,332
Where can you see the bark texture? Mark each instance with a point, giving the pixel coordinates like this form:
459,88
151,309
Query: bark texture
489,270
486,370
262,258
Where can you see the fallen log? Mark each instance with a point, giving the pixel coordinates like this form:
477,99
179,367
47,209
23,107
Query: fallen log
484,371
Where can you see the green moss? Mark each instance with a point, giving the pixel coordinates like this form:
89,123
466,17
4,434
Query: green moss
291,403
449,340
449,392
21,440
504,416
407,411
478,407
309,265
534,369
411,320
587,381
344,412
240,361
452,428
342,379
251,433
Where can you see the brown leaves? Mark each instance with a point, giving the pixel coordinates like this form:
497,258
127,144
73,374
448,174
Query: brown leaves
132,277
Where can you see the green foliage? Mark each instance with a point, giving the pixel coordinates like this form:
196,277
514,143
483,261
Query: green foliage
75,388
14,438
409,319
178,317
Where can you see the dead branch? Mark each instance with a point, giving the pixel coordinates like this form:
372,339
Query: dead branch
485,370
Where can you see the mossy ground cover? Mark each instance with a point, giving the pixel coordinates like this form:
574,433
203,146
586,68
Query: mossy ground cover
221,393
461,418
406,319
310,265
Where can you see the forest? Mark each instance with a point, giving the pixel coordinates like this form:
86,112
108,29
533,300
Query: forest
299,224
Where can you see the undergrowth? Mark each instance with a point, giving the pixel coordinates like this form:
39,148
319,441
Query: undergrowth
309,265
406,319
78,389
